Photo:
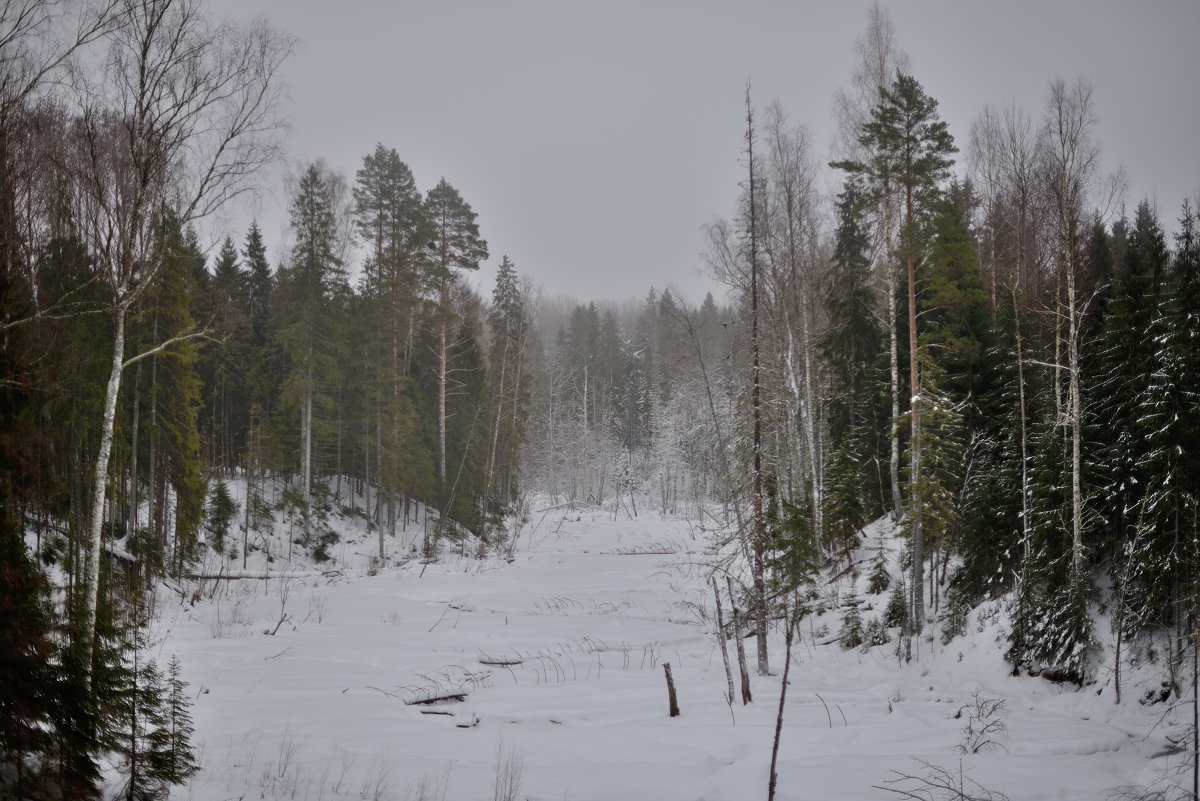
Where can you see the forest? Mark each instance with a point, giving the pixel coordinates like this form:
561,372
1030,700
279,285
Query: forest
973,337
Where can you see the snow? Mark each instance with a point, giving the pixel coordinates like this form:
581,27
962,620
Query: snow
591,607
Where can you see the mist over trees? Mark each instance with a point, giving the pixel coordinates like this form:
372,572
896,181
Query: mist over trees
1043,450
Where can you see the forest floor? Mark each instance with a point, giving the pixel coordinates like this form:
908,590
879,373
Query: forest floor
553,668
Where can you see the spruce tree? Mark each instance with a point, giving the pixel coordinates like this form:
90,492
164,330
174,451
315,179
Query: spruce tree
304,303
853,340
175,760
25,673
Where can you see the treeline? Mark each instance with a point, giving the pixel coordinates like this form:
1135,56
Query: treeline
998,358
140,374
620,409
990,350
405,388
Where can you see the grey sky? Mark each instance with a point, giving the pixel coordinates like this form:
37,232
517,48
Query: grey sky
594,140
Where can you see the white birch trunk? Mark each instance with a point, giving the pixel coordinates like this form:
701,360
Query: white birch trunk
1075,411
100,484
894,360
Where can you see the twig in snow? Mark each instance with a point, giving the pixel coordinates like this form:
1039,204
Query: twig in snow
281,653
826,709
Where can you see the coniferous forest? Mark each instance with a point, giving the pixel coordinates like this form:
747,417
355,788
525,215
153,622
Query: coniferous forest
976,337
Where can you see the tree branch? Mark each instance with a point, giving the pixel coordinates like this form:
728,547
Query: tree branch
201,334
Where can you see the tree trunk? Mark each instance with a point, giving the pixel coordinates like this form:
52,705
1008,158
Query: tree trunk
442,395
1026,545
306,428
760,584
1075,410
787,665
918,539
721,640
894,364
672,701
99,485
131,527
741,645
491,462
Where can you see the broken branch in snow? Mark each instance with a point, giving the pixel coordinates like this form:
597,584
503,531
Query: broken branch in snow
453,696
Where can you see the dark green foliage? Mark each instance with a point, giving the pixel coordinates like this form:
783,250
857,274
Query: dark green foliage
880,579
852,634
790,554
956,320
510,331
167,389
76,717
990,537
151,725
943,452
1153,570
958,607
896,613
222,510
26,702
876,633
175,761
467,441
845,511
909,146
1056,639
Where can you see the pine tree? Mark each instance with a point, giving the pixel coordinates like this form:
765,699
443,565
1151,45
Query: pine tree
455,244
391,225
910,151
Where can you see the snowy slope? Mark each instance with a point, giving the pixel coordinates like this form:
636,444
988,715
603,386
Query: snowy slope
591,607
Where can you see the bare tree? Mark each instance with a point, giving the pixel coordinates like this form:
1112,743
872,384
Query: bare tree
791,251
180,117
1072,159
1003,155
759,534
37,40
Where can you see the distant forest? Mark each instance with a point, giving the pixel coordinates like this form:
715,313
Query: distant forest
972,337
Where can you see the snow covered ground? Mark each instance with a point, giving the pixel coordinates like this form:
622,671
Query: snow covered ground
585,615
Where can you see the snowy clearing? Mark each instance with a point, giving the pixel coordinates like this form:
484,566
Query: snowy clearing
557,657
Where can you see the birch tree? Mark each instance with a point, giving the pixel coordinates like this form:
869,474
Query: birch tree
1072,159
181,115
791,248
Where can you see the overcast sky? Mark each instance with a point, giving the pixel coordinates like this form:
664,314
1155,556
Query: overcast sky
595,140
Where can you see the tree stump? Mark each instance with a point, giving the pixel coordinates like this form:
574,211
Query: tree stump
674,703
